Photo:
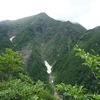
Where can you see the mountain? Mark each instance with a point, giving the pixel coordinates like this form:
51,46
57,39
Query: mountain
40,38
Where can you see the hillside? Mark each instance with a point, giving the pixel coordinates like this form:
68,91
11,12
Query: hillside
41,38
69,69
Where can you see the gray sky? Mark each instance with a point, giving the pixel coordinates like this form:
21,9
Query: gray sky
85,12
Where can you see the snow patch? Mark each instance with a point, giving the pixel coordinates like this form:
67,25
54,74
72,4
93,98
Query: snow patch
48,67
12,38
52,81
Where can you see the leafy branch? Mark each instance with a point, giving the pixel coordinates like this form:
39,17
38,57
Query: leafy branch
90,60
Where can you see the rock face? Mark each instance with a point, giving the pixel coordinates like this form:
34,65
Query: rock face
26,52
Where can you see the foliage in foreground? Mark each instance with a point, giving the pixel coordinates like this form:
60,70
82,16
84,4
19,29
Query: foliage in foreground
76,92
24,89
19,87
10,64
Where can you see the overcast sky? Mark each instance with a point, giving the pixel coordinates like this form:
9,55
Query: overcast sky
85,12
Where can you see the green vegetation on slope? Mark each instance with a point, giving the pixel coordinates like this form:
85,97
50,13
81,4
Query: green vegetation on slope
70,70
4,40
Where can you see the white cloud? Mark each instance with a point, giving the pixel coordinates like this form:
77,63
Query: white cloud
86,12
91,19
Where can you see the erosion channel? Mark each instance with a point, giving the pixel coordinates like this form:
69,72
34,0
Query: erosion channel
51,80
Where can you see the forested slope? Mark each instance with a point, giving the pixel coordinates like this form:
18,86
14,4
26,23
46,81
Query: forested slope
70,70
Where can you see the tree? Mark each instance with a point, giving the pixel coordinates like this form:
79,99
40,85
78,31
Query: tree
24,89
21,87
10,63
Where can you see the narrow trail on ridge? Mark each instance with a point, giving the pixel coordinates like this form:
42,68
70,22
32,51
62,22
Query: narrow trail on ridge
51,80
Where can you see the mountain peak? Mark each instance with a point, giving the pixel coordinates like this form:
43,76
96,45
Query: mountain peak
43,14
